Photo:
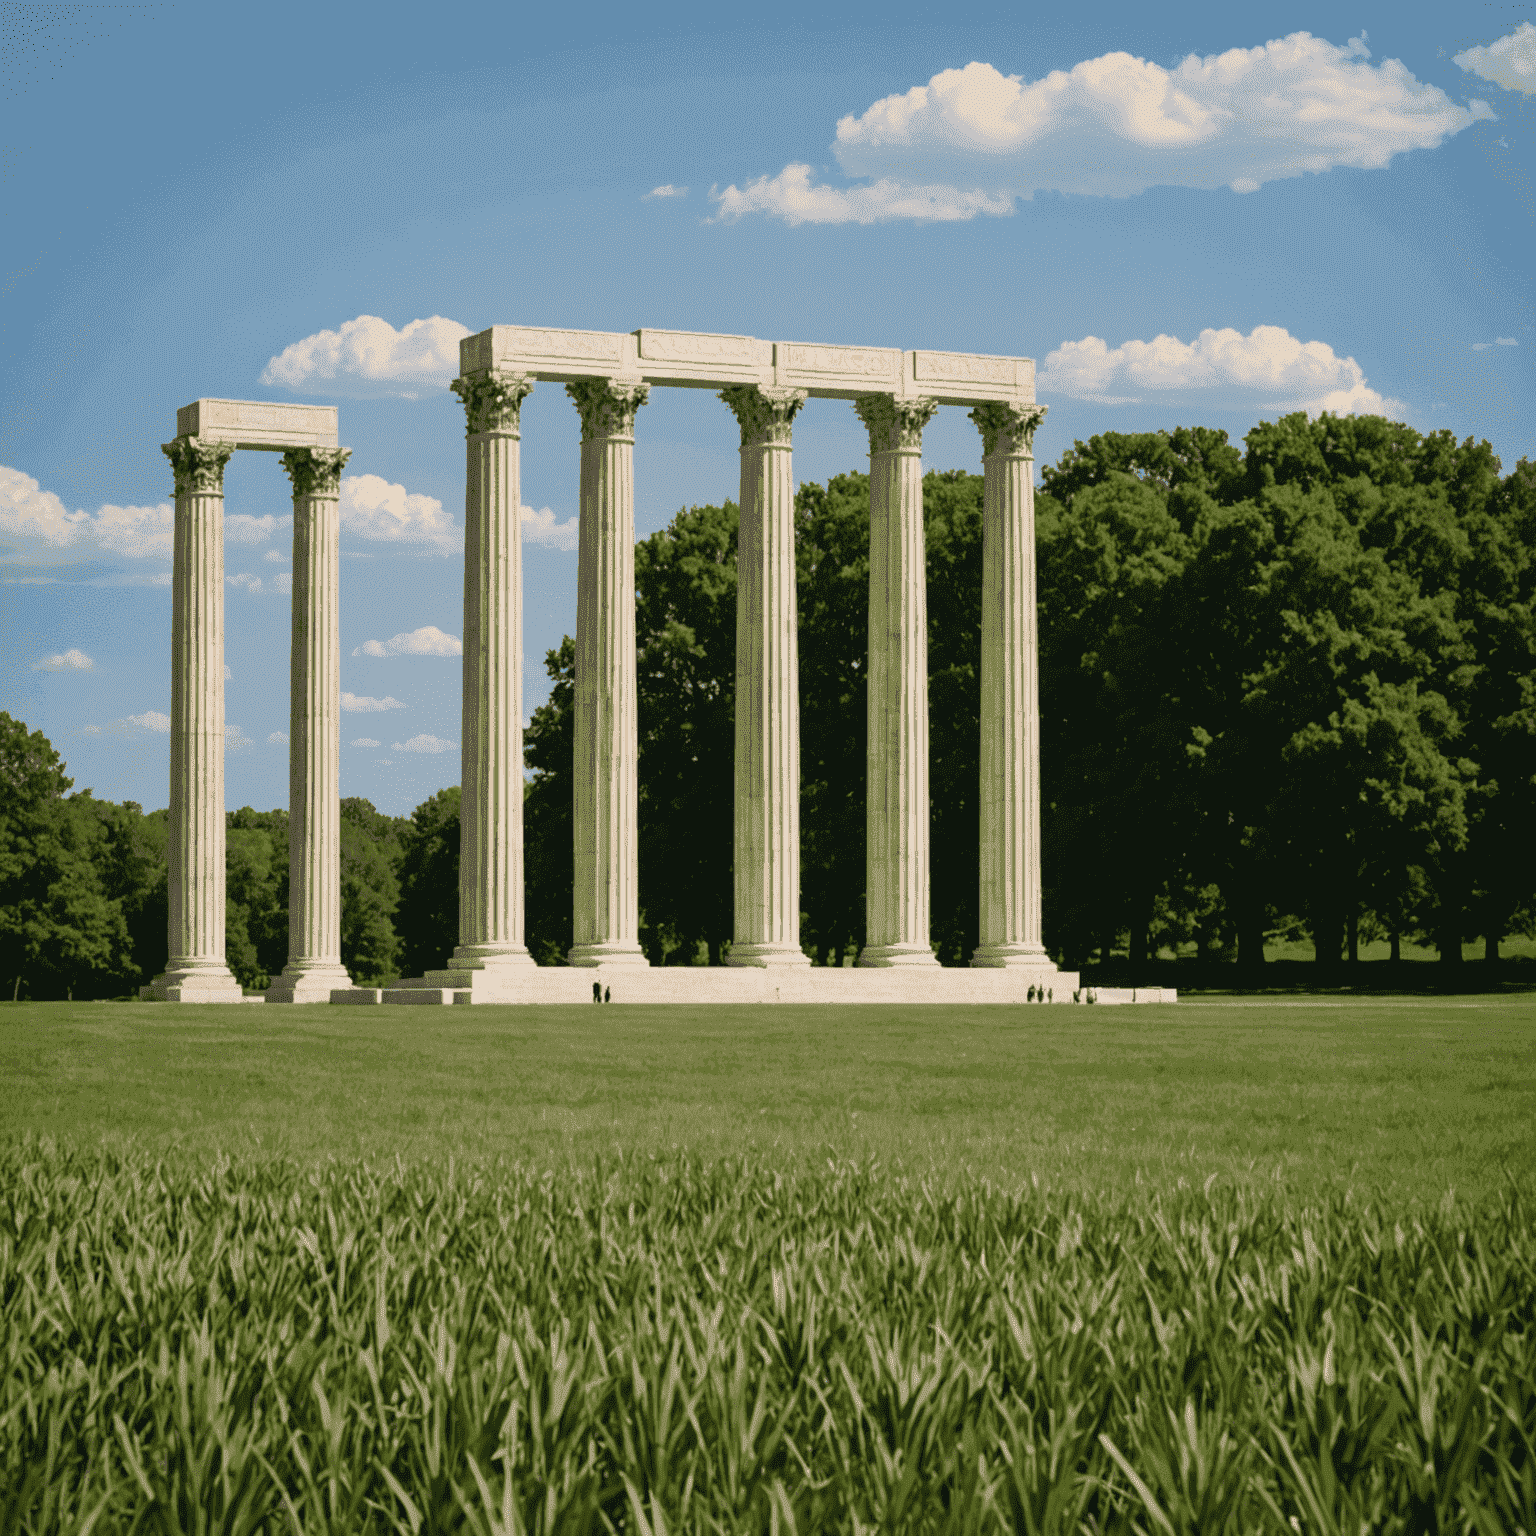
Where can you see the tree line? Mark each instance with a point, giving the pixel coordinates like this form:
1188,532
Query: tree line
1286,690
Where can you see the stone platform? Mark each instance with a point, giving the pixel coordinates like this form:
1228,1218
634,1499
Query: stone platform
681,985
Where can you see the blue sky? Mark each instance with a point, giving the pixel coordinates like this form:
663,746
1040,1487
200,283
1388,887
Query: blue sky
1184,213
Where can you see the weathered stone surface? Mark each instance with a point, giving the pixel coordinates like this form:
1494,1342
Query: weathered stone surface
314,967
896,912
606,899
261,424
195,969
767,803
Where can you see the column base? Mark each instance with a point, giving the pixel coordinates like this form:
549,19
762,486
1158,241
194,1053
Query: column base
606,954
307,983
194,982
769,956
883,956
489,957
1024,956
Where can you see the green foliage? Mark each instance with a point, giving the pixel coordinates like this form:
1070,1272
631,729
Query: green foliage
428,918
370,891
648,1346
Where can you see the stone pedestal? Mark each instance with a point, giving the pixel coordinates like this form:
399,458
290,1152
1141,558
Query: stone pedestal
606,902
767,819
195,970
314,965
896,851
1010,908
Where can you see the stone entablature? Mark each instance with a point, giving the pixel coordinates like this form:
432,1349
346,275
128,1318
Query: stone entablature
260,424
702,360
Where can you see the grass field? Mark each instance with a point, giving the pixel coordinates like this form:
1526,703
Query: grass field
1409,1096
1231,1266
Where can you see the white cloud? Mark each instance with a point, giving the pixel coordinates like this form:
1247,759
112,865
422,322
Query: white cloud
973,139
1510,62
246,580
71,660
150,720
424,743
1498,341
366,704
371,352
90,730
235,738
541,528
278,739
242,528
668,190
46,529
283,581
429,640
364,741
1268,366
276,556
373,508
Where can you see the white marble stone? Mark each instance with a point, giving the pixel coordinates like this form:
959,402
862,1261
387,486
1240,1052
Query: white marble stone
314,969
195,970
606,835
767,802
1010,908
896,912
260,424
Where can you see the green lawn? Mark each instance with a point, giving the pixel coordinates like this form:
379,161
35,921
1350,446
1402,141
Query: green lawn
1408,1097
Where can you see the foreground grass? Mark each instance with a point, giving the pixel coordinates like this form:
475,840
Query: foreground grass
675,1346
1406,1097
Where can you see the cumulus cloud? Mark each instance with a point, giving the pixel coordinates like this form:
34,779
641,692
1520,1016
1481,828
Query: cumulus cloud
667,191
368,355
36,528
242,528
364,741
973,140
541,528
72,660
1268,367
424,743
246,581
366,704
283,581
275,556
1498,341
1510,62
150,720
373,508
429,640
278,739
235,738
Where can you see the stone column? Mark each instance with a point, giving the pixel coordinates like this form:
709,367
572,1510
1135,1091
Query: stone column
1010,693
896,848
195,970
767,833
314,733
491,897
606,903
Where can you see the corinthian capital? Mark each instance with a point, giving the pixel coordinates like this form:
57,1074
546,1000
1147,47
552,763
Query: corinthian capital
608,406
315,471
1010,428
198,464
895,423
493,401
765,415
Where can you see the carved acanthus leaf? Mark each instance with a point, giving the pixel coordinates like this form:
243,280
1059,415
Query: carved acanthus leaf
895,423
493,401
1009,428
198,465
608,406
765,415
316,471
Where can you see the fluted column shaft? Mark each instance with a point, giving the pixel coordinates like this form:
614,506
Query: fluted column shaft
491,896
606,832
314,733
195,968
896,911
1010,908
767,802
